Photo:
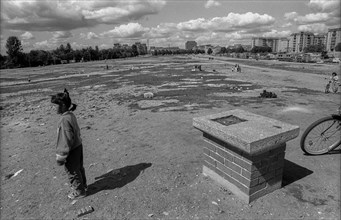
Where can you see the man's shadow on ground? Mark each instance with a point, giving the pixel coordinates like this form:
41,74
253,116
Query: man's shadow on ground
117,178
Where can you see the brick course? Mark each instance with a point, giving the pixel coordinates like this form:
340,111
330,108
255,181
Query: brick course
253,175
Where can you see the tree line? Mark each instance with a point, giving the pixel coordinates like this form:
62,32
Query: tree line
65,53
16,58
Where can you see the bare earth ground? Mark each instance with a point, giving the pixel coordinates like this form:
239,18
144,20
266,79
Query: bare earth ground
143,158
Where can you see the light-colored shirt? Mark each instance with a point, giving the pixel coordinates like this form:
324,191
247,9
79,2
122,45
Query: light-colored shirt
68,134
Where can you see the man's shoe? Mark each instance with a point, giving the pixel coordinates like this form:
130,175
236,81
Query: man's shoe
76,195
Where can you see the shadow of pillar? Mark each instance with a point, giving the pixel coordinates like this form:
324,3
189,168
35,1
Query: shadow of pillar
293,172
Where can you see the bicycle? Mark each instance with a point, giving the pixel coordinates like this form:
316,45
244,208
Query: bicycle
323,135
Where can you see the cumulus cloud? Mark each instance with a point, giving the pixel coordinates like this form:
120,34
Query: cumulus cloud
315,28
290,15
62,35
44,45
89,36
92,36
82,35
241,26
105,46
324,12
77,45
275,33
27,36
230,23
163,30
212,3
308,18
324,5
289,24
239,35
45,15
131,30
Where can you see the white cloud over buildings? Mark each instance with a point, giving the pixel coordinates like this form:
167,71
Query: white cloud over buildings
324,5
275,33
231,22
325,13
315,28
212,3
131,30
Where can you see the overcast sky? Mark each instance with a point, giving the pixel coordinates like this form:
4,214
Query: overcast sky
45,24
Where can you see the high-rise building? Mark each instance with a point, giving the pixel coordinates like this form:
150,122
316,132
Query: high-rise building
333,38
141,48
320,40
299,41
265,42
190,44
283,45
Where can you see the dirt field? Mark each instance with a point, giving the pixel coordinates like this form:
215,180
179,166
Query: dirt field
143,158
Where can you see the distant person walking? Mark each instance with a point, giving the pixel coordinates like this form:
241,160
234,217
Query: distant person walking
69,145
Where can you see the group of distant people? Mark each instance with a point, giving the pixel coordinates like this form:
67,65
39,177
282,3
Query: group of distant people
237,68
333,83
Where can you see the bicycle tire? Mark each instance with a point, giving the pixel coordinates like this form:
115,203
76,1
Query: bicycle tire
308,145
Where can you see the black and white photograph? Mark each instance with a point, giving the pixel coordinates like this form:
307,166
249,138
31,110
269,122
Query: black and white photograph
170,109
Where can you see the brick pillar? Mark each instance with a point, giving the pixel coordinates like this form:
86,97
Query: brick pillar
245,152
252,175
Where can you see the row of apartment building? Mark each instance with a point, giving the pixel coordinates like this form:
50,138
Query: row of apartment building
296,42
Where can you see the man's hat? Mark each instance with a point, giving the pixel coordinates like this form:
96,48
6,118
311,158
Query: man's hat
61,98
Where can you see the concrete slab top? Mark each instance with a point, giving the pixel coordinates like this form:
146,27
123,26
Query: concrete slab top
253,134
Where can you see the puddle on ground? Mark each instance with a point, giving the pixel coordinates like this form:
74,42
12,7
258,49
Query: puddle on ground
215,85
302,91
143,104
188,86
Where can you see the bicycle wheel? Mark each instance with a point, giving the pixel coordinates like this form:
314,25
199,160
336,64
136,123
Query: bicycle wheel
322,135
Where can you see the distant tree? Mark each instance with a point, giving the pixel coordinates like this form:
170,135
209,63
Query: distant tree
61,52
324,54
257,49
14,50
313,49
97,53
338,47
223,50
2,60
69,52
209,51
239,50
68,48
77,55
